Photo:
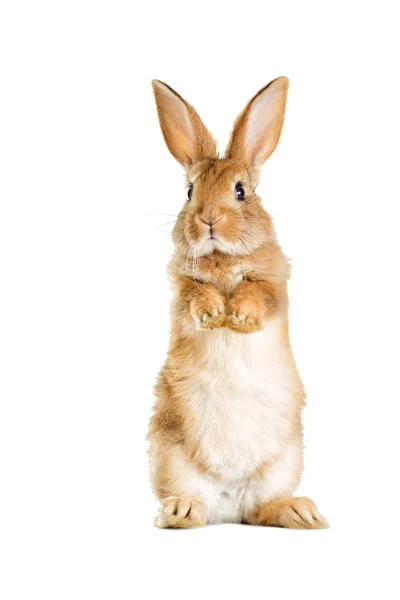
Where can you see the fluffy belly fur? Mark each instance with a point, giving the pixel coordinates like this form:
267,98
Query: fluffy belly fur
241,398
242,402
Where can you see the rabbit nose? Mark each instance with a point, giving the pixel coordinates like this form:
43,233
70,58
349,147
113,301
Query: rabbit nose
210,223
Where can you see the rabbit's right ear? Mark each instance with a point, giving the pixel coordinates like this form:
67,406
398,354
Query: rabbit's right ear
257,129
185,134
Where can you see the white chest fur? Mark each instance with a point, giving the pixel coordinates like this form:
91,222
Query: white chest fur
241,399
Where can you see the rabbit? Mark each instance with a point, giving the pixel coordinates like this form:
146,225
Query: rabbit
225,437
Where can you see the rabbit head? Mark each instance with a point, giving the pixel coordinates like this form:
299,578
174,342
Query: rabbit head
222,213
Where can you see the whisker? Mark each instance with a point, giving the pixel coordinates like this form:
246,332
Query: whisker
188,256
183,260
165,214
195,267
232,206
164,224
251,254
183,240
246,233
178,231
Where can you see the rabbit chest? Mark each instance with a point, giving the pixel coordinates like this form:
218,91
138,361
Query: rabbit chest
241,398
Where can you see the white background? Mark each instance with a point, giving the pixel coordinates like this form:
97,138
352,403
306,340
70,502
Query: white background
84,296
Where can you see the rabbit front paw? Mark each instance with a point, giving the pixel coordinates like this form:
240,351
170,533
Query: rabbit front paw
244,316
208,312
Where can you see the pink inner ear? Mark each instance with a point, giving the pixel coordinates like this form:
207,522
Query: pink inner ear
186,136
175,118
177,113
264,124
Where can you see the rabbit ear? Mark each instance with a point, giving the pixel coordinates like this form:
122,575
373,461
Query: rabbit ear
257,129
186,136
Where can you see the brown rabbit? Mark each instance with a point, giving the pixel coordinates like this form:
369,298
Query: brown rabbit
226,440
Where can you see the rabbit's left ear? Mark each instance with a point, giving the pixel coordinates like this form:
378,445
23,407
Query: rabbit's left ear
185,134
258,128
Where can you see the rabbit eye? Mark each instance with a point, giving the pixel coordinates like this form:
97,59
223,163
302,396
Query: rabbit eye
239,191
190,191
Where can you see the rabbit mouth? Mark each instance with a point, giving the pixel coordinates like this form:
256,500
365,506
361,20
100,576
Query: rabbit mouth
212,243
208,245
213,239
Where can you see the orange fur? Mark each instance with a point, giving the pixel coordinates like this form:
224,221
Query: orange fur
230,306
294,513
